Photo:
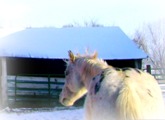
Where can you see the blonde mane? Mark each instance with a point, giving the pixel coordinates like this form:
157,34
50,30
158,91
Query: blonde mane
91,63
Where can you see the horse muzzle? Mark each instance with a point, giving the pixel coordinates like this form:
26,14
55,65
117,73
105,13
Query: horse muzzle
65,101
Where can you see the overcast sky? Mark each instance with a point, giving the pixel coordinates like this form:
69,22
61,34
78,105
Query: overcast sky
127,14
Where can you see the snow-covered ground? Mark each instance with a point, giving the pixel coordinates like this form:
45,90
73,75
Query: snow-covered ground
43,114
47,114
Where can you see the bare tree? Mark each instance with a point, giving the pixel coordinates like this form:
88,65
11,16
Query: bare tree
152,40
91,23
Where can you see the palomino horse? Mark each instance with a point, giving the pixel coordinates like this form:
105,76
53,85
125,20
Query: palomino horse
112,93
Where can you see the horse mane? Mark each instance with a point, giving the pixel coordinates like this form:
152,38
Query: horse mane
90,62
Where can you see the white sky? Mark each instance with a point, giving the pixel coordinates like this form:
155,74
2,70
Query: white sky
127,14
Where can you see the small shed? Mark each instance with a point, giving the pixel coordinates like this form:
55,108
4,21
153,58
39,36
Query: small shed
42,50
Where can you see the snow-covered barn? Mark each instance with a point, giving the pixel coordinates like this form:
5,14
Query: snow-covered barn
42,50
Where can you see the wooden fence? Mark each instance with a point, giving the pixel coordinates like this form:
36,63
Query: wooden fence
32,88
159,76
158,73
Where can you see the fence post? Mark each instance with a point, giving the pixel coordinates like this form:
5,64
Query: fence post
49,88
15,91
3,83
49,85
148,67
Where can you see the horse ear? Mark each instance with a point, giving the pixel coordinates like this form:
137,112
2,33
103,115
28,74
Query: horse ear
95,55
71,56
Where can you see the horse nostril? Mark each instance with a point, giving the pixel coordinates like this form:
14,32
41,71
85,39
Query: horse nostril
63,100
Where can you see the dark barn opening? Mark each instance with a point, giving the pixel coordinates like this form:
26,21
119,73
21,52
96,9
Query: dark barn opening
22,66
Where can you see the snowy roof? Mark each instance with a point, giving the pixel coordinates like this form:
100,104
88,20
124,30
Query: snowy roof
109,42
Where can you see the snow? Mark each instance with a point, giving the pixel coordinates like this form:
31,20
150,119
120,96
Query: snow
20,114
25,114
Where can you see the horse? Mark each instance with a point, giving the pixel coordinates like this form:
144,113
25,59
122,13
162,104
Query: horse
111,93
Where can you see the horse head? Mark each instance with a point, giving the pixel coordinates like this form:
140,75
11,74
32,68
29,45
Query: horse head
74,87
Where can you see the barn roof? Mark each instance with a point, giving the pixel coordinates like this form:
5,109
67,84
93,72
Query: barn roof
53,43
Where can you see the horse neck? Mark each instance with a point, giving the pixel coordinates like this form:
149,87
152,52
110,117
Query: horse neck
90,68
